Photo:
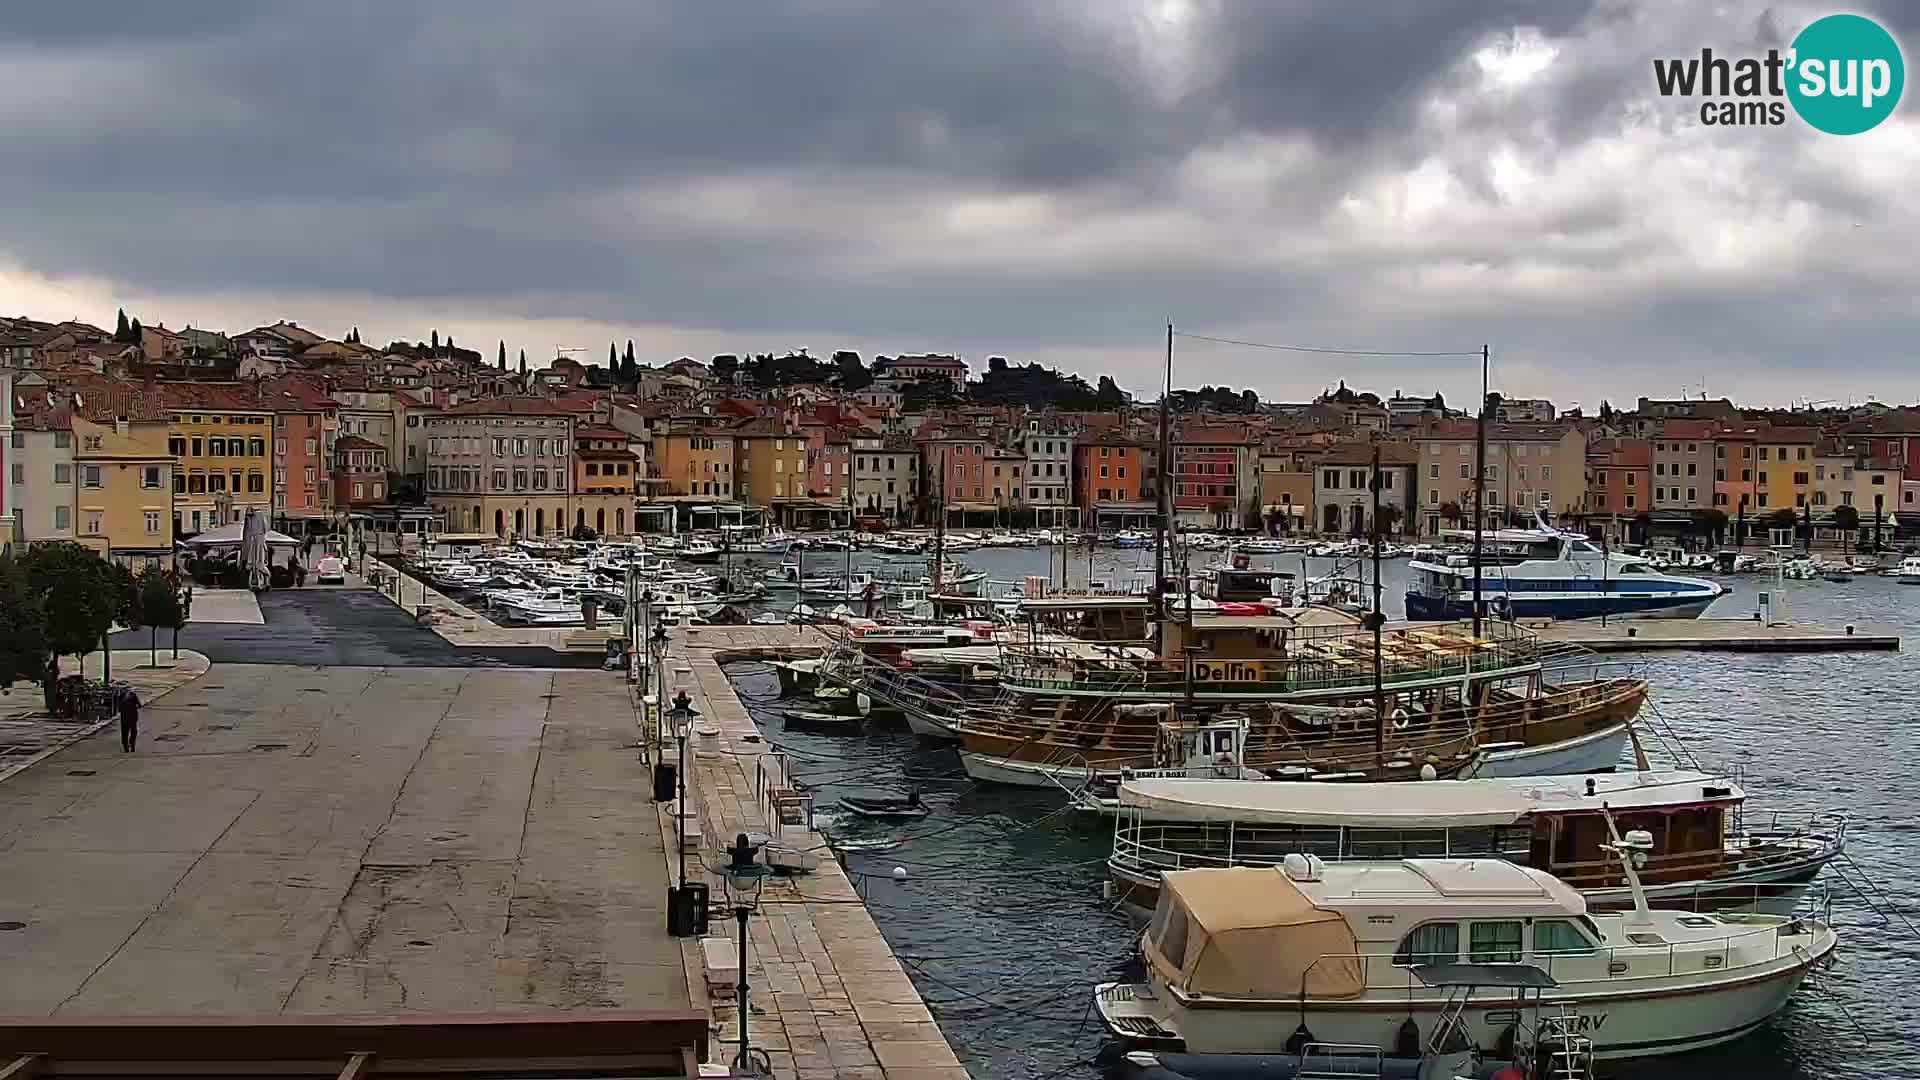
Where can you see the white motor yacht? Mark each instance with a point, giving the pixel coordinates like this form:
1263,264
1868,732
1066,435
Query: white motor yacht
1243,960
1909,571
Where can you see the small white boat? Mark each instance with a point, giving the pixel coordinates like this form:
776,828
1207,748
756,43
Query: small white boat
1909,571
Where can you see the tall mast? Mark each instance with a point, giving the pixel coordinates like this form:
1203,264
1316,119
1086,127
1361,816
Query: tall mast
1162,500
1479,486
1378,619
940,525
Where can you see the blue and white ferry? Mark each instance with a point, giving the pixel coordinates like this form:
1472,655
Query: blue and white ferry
1546,572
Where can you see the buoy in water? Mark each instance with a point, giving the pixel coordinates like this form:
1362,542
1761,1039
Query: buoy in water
899,873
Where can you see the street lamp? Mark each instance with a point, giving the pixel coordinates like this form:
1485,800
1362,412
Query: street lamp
657,648
683,714
742,881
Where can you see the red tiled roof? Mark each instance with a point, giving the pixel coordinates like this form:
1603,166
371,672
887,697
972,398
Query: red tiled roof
598,431
508,406
355,442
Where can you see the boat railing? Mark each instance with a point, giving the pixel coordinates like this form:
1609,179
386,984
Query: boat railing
1326,667
1759,944
1148,846
1774,826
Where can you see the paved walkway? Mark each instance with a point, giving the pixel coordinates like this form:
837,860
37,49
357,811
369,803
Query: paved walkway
342,840
831,999
226,606
29,736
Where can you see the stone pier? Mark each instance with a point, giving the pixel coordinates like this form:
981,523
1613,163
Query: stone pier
828,997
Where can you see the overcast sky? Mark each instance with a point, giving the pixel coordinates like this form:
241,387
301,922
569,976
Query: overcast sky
1050,181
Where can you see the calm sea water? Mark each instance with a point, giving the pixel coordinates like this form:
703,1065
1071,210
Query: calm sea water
1001,924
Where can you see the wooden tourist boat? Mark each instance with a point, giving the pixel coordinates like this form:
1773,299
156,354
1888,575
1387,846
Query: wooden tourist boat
1437,702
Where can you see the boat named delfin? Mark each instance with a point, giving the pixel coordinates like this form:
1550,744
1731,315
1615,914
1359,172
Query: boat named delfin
1548,572
1319,702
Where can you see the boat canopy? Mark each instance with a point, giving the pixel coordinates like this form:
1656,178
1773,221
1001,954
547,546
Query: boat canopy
1419,803
1247,933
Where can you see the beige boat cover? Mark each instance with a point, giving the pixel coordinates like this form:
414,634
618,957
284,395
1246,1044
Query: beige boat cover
1249,932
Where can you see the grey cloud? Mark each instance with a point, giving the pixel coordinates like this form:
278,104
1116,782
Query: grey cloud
506,155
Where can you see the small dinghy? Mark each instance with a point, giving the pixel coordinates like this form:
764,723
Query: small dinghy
885,806
810,720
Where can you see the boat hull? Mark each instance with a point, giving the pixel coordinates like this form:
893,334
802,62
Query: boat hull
1424,608
1624,1024
1599,751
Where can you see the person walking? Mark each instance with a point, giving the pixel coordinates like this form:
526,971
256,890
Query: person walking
129,720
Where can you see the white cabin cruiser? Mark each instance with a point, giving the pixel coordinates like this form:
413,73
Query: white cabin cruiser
1909,571
1551,573
1243,960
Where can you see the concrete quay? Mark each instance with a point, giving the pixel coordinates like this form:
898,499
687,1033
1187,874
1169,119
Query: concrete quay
830,998
303,841
28,736
1711,635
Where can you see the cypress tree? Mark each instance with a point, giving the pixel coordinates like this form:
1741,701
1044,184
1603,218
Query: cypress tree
133,332
436,341
503,354
523,361
120,328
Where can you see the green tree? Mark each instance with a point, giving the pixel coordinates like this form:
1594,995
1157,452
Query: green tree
849,373
523,361
1388,519
1847,520
435,340
503,354
613,357
120,327
133,332
1450,512
159,606
23,628
725,367
80,594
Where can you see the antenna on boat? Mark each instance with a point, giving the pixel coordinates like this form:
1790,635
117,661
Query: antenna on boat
1632,853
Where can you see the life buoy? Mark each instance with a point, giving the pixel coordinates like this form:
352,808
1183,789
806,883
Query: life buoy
1400,720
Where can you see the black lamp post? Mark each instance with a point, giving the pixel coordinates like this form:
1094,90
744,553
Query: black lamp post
683,714
742,881
657,648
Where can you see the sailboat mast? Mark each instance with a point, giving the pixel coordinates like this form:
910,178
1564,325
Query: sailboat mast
1479,486
940,526
1161,499
1379,619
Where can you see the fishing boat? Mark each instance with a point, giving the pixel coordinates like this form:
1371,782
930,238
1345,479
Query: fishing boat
1710,852
1547,572
1317,693
699,550
1246,960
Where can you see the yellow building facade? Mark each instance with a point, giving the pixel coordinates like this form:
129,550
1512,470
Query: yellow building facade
222,465
124,488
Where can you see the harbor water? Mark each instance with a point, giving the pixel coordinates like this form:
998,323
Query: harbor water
1000,920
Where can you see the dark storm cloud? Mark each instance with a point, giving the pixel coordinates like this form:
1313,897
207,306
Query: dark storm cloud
763,164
